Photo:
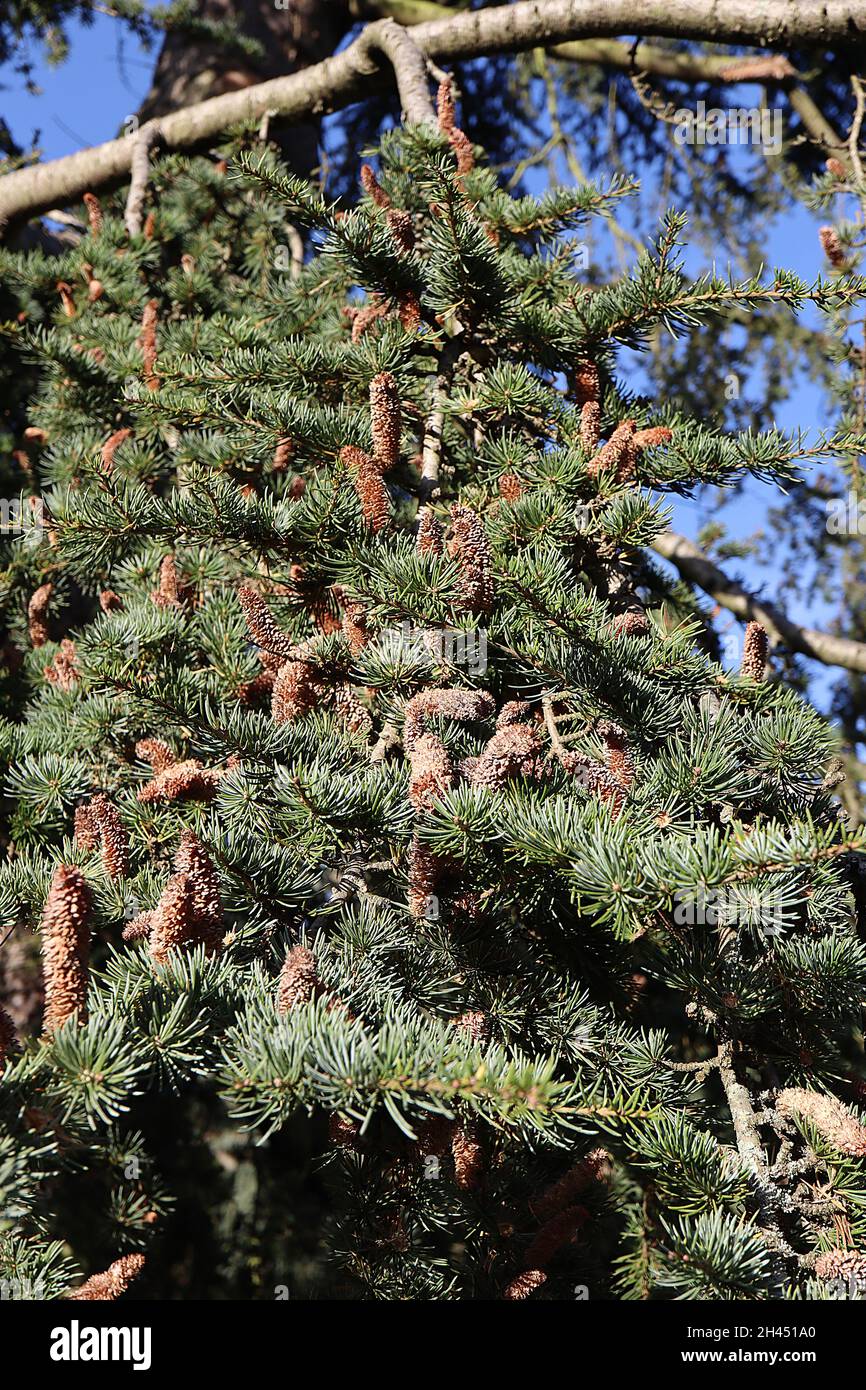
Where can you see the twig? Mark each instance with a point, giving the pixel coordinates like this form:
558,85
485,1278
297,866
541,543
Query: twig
296,246
431,449
556,742
856,127
749,1145
388,739
140,172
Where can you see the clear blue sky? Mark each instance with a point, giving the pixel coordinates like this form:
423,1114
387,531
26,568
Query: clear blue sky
86,98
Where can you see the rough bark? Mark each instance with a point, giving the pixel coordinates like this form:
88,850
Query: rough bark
191,69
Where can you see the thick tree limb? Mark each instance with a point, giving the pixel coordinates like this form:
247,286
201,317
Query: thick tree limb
696,568
719,68
407,60
347,76
664,62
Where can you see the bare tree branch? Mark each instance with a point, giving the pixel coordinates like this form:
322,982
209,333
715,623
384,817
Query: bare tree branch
665,62
695,567
410,69
708,67
140,172
348,75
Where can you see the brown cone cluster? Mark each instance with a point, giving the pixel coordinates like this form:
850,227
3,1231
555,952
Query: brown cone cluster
94,212
429,539
585,383
138,928
156,752
260,622
460,144
755,651
373,188
367,469
37,615
189,780
431,771
111,1283
595,1168
590,426
189,911
193,860
510,487
849,1266
344,1132
565,1226
425,871
147,343
614,782
171,925
369,486
319,600
62,670
354,626
299,982
474,1024
385,420
65,935
294,679
515,750
634,623
470,547
298,688
524,1285
622,450
111,446
167,594
468,1156
562,1221
456,703
832,247
98,822
653,436
829,1116
282,456
349,708
610,780
363,318
399,224
409,311
618,454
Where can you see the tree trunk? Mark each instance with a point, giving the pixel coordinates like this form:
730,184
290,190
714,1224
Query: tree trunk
293,34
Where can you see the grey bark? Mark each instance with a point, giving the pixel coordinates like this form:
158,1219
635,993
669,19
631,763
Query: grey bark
347,76
695,567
